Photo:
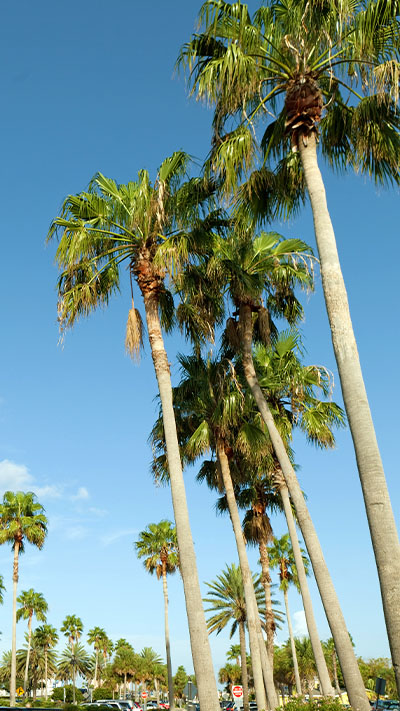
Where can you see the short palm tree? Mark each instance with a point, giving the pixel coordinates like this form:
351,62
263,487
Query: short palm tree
112,225
227,605
124,664
31,603
158,545
95,636
281,556
21,519
74,659
46,637
315,72
72,627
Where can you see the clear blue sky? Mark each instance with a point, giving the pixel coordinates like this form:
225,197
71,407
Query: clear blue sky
86,87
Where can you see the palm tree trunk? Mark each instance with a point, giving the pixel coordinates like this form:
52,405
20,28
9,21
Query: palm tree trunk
269,615
381,521
13,678
335,674
171,694
95,668
73,686
353,680
319,657
199,641
45,673
124,685
28,652
243,664
292,644
256,649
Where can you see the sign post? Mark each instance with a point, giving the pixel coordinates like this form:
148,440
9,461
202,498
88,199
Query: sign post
237,693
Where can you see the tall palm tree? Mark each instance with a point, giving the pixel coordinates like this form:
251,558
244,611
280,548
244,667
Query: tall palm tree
95,636
211,405
21,518
295,63
100,230
46,637
158,544
74,659
281,556
31,603
227,604
72,627
259,275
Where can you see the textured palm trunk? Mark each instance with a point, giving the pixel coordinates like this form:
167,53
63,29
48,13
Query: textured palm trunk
14,627
319,657
351,673
243,664
269,615
96,669
45,673
124,685
381,521
73,686
171,695
28,653
335,674
200,645
292,644
257,648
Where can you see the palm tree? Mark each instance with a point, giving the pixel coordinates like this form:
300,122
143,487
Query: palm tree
72,627
95,636
227,604
72,660
330,652
259,274
31,603
21,518
46,637
158,544
307,669
124,664
210,403
128,223
292,64
281,556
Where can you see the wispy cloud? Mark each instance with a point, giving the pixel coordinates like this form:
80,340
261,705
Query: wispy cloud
81,494
108,538
97,512
300,624
16,477
75,533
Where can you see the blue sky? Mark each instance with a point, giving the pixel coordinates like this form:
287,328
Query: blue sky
90,87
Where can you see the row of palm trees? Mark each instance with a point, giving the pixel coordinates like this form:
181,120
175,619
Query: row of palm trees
206,268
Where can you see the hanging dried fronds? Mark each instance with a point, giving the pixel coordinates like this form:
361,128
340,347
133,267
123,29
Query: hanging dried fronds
134,333
232,334
264,327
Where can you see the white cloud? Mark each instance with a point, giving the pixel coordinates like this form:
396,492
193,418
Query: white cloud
81,494
109,538
97,512
16,477
75,533
299,624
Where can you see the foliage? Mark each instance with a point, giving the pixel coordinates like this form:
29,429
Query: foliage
58,694
180,681
321,704
102,692
158,544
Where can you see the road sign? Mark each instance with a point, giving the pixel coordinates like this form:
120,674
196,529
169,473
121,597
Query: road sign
237,691
20,691
144,694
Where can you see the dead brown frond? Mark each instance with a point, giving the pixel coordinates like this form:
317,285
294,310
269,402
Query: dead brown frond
232,334
264,327
134,333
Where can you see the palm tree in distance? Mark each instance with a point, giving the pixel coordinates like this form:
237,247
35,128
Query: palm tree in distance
74,659
158,544
296,64
21,518
47,638
30,603
281,556
72,627
226,601
95,636
100,230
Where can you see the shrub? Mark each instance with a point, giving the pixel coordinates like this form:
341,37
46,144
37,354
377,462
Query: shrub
322,704
103,692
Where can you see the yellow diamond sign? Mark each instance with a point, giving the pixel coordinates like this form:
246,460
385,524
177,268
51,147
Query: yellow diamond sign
20,691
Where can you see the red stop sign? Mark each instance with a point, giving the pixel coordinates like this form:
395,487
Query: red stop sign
237,691
144,694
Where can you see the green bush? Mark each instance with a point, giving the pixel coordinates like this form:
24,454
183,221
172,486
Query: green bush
322,704
103,692
58,694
